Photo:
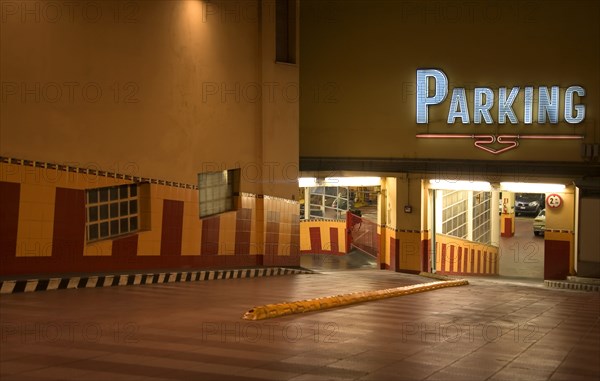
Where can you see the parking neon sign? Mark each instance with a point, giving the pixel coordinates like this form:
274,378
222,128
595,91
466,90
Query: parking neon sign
484,98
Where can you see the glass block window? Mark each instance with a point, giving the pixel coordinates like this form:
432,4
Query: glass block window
111,211
455,213
481,217
217,190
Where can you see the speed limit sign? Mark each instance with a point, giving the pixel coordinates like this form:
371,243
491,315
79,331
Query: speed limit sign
554,201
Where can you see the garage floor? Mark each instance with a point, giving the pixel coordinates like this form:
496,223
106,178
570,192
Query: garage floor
523,254
493,329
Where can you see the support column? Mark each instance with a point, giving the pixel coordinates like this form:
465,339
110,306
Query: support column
426,227
507,221
307,203
495,219
559,237
399,224
259,217
381,223
409,224
434,230
470,206
439,202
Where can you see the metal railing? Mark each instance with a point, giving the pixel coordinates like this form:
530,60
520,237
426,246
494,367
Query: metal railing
362,234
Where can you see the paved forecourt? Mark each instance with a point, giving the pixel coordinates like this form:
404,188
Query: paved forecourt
493,328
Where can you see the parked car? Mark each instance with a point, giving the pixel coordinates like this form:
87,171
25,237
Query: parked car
539,223
529,203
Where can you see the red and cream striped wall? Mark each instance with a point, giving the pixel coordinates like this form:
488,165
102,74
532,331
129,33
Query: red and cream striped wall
410,251
404,250
42,214
457,256
323,237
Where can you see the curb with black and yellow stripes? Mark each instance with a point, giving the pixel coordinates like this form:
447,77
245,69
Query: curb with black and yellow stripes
571,285
96,281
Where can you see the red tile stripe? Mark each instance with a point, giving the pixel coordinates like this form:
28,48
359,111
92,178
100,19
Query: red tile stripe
125,247
9,219
68,236
425,255
243,225
172,227
333,238
315,240
507,228
452,259
210,236
272,236
295,236
486,255
444,257
394,254
556,259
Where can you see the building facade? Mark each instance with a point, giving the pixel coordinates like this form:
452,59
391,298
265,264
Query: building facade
144,135
430,94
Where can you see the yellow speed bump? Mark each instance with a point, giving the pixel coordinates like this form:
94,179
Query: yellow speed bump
434,276
274,310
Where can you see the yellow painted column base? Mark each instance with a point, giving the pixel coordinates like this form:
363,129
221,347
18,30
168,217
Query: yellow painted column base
288,308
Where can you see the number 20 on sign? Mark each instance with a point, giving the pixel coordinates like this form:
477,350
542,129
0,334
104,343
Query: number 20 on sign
554,201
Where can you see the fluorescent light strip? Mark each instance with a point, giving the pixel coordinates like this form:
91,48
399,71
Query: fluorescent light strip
304,182
460,185
531,187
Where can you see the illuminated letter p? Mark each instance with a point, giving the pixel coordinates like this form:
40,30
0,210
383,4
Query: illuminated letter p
423,98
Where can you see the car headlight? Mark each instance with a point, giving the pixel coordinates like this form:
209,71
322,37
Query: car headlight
534,203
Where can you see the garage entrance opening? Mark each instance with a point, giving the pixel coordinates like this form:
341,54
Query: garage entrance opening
338,222
464,225
480,228
522,254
